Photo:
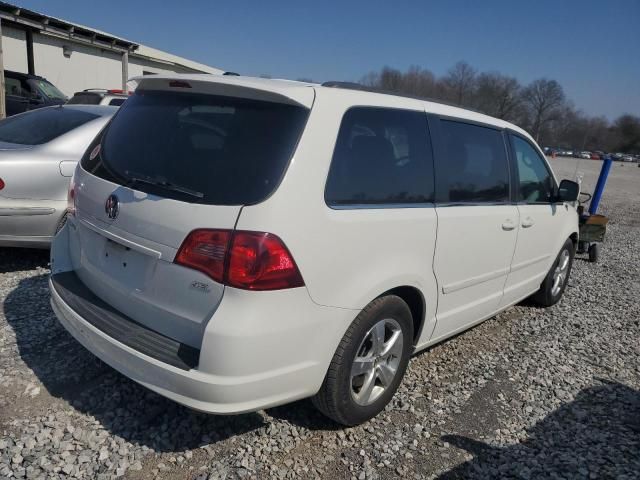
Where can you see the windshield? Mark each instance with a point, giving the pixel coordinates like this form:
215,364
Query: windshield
198,148
42,125
47,89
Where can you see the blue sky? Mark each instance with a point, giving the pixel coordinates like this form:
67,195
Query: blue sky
591,47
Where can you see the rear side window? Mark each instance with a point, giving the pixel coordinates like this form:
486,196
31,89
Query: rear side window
42,125
472,166
382,156
536,185
198,148
117,101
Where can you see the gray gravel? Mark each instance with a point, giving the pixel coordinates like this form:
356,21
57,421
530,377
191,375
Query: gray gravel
530,393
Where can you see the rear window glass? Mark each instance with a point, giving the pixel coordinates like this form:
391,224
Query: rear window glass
42,125
473,167
382,156
117,101
198,148
85,99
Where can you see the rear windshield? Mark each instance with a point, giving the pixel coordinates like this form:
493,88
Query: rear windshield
198,148
85,99
42,125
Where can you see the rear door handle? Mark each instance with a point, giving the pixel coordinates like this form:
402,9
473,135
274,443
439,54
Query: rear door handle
508,225
527,222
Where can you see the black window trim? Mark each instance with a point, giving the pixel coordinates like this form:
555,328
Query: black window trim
514,166
381,206
434,126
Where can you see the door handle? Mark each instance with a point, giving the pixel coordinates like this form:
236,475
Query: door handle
508,225
527,222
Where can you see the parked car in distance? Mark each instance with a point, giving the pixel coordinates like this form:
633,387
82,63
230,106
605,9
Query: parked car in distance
24,92
595,156
99,96
39,151
240,243
585,155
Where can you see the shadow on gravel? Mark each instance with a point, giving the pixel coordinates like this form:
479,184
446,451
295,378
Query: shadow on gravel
16,259
124,408
595,436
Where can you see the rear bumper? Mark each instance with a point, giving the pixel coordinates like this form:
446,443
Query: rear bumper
246,363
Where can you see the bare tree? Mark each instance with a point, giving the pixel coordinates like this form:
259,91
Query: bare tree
418,81
540,107
460,83
497,95
627,128
544,98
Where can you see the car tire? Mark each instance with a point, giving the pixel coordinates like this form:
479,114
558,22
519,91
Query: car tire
550,292
365,373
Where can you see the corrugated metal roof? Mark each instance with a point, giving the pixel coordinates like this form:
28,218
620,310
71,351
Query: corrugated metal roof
87,35
47,23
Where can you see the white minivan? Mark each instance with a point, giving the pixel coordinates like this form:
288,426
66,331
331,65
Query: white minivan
237,243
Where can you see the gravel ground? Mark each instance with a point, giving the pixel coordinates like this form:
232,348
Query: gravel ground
530,393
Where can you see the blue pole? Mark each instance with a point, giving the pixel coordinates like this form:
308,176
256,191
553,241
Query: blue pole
602,179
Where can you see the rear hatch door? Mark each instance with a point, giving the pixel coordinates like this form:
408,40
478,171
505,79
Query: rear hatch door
171,162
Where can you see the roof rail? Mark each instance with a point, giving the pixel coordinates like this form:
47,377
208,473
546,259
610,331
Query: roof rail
364,88
112,91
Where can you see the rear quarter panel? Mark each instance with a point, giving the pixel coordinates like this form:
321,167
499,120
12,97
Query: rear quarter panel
347,257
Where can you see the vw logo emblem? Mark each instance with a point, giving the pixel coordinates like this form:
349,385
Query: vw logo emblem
112,206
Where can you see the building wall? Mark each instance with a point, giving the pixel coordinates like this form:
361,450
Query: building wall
14,49
85,67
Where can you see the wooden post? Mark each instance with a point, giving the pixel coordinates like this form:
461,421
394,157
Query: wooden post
31,69
125,70
3,110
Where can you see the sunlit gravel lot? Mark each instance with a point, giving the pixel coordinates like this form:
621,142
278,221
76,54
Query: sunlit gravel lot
530,393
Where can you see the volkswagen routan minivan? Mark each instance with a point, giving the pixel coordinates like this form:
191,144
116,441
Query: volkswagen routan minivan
236,243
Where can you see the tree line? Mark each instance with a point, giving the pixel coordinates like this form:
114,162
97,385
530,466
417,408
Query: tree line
541,107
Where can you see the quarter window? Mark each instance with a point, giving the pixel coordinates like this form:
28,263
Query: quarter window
382,156
536,184
472,167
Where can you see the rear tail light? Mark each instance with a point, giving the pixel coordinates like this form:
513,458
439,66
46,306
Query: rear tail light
71,198
246,260
205,250
1,184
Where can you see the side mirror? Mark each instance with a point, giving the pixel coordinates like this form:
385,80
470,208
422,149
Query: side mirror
568,191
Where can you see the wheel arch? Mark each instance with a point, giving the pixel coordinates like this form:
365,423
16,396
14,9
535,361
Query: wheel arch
414,298
574,239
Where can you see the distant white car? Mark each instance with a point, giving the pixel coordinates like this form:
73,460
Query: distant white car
39,151
239,243
585,155
99,96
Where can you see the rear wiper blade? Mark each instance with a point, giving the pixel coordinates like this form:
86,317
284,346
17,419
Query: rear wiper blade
133,178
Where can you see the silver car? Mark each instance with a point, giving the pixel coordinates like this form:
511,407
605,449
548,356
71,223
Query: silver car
39,151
